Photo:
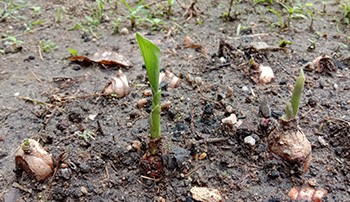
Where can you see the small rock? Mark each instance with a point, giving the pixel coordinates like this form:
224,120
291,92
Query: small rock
239,123
180,154
312,182
189,199
92,116
66,173
129,124
266,74
136,145
84,190
85,168
124,31
129,148
204,194
165,106
142,103
231,120
250,141
245,89
229,109
335,86
202,156
198,80
322,141
222,60
147,93
161,199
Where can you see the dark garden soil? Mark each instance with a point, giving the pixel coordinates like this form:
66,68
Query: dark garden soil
46,97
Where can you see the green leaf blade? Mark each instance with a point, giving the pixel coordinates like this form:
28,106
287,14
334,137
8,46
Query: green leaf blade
298,88
151,56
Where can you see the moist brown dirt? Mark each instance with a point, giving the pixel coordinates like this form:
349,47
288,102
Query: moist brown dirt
46,97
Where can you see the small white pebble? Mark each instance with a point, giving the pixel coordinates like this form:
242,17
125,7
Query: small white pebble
84,190
16,94
249,140
129,125
124,31
245,88
231,120
92,116
222,60
335,86
322,141
198,80
266,74
129,148
229,109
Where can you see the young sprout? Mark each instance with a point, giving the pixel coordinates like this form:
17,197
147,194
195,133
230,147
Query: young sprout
34,160
283,43
133,12
227,15
288,140
293,106
152,163
170,4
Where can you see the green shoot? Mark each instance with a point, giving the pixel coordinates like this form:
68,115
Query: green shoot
116,24
75,27
293,106
294,12
133,12
312,45
26,146
227,15
170,4
151,57
268,2
97,14
155,23
86,135
346,13
36,9
59,15
48,46
281,23
10,9
283,43
11,40
311,14
73,52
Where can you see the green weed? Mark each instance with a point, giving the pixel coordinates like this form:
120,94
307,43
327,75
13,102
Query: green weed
47,46
134,13
346,12
10,9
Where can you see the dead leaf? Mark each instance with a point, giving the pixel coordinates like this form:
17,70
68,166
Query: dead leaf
107,58
188,43
170,79
118,86
324,63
